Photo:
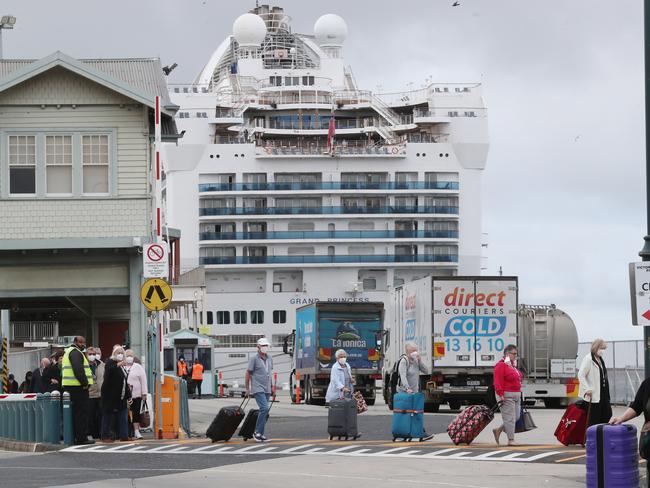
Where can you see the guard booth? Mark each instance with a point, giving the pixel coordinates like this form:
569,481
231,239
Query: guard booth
191,345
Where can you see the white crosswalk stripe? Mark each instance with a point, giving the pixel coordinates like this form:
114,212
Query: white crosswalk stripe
360,450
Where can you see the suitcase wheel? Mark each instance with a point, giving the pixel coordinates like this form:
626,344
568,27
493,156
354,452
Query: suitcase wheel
355,437
409,439
331,437
394,439
346,437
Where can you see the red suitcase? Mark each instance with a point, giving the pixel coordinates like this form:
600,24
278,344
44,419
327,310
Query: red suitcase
572,428
469,423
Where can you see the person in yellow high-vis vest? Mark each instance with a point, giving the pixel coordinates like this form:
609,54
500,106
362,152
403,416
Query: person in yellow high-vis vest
76,377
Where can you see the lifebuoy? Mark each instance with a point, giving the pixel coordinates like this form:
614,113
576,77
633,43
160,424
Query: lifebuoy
395,150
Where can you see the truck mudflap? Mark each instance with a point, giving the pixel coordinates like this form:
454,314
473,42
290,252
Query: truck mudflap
440,393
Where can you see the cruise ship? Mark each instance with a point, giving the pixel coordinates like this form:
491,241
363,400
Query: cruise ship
293,184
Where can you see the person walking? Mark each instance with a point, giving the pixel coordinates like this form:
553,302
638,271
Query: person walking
115,397
594,384
137,380
341,383
95,394
409,368
38,385
197,377
258,384
76,378
26,385
640,405
507,386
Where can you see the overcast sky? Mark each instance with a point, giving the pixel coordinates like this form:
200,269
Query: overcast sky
563,192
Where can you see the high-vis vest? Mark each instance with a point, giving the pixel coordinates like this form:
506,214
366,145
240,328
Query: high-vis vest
197,371
182,369
67,375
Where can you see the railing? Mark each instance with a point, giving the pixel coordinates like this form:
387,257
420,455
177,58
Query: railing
351,148
34,331
326,259
37,418
328,210
334,234
427,138
331,185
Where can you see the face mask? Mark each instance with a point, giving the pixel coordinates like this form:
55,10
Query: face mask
600,352
342,361
129,360
264,349
91,357
414,354
119,357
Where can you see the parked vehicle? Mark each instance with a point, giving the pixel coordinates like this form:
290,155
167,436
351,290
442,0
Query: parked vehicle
462,325
324,327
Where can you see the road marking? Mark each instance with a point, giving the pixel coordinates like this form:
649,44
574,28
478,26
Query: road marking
512,456
358,453
293,449
539,456
246,449
570,458
206,448
311,451
389,451
486,455
341,449
439,452
408,453
118,448
266,449
162,448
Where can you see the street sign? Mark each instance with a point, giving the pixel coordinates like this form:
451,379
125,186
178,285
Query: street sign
155,260
640,292
156,294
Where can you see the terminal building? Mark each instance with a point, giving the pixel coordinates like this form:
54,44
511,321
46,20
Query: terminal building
294,184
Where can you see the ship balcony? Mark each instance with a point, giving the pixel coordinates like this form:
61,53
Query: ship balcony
333,210
349,149
331,259
329,235
329,185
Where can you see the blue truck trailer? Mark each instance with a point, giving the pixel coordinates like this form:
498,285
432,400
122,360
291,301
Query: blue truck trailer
322,328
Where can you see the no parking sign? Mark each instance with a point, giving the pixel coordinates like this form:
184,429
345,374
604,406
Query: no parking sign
155,260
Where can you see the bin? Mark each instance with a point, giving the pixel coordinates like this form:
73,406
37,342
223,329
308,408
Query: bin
171,407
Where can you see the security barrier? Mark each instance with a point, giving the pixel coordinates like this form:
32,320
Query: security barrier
185,408
36,418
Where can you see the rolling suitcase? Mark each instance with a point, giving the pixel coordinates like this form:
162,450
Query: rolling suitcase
342,419
470,423
248,427
408,416
612,456
225,424
572,428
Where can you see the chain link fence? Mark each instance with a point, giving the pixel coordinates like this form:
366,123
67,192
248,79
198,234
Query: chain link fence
624,362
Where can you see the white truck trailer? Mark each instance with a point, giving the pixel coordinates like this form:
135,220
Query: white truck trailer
462,325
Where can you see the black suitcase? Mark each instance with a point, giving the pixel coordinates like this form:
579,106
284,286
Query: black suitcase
248,427
225,424
342,419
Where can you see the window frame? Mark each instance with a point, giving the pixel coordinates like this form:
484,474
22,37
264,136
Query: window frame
71,165
7,155
257,317
238,315
92,165
280,314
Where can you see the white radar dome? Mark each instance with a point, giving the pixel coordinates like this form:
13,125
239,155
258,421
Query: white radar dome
249,30
330,30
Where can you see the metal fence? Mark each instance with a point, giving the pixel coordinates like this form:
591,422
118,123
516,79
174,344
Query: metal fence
624,362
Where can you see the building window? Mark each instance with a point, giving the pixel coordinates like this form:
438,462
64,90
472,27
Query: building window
58,164
223,318
277,287
95,163
279,316
209,318
241,316
22,165
257,317
369,284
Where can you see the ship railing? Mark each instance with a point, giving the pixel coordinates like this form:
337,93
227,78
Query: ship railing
427,138
188,88
318,259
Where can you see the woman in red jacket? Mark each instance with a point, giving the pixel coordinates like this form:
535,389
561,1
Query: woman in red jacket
507,385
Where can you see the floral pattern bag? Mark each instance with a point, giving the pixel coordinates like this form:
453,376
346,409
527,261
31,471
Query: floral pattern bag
362,406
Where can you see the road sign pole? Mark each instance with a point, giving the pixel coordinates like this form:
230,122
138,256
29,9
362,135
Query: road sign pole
645,252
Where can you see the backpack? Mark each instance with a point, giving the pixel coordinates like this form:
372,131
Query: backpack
394,381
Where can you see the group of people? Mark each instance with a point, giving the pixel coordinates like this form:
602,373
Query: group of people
106,396
192,372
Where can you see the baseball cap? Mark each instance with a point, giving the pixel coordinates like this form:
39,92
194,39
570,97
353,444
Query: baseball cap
263,342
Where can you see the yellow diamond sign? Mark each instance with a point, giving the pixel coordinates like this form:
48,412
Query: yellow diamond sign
156,294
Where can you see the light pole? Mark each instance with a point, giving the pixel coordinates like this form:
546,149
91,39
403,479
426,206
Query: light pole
645,252
7,22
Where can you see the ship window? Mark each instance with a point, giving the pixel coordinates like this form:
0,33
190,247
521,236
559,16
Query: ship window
275,80
223,318
369,284
279,316
277,287
209,318
241,316
257,317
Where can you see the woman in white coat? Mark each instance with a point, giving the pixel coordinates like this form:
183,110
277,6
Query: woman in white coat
341,381
594,384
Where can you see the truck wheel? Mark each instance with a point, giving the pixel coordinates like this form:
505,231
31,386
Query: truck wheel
292,391
454,404
307,391
431,407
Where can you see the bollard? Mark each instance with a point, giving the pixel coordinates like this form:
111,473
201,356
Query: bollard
297,387
68,435
274,388
220,384
55,417
31,420
38,418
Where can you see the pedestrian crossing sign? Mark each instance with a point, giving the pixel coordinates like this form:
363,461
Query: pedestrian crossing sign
156,294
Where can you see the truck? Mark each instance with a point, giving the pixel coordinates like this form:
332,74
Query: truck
461,326
321,329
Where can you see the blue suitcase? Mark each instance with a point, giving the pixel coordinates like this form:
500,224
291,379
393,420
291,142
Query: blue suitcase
408,416
612,456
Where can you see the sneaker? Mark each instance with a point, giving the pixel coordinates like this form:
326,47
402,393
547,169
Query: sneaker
427,437
264,438
258,437
138,436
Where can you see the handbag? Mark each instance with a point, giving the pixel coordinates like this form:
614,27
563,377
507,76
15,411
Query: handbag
362,406
145,418
644,438
525,421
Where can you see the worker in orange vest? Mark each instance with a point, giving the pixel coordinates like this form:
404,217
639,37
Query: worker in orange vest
197,376
181,368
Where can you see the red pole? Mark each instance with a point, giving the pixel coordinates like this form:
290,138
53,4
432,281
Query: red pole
220,384
297,387
275,384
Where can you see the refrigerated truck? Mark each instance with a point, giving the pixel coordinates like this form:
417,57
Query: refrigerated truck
462,325
322,328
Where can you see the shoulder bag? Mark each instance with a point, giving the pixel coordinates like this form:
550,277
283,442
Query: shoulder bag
644,438
145,418
525,422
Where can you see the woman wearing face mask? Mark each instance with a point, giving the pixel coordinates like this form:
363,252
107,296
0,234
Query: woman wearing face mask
115,396
341,381
594,384
137,380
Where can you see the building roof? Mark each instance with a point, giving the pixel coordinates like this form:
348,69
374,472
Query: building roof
138,78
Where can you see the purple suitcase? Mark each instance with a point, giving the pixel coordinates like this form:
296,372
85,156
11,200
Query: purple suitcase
612,456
